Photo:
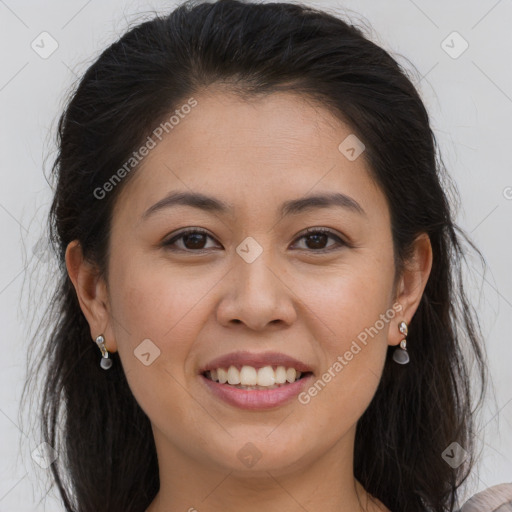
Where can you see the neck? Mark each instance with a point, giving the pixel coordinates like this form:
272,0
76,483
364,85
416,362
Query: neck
325,483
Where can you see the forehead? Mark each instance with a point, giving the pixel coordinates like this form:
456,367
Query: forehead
251,150
283,125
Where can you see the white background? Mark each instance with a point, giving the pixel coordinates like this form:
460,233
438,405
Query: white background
469,99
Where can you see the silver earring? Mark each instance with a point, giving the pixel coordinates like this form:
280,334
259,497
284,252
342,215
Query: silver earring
105,362
400,355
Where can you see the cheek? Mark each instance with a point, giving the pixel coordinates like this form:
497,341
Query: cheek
353,352
154,300
347,301
354,309
155,312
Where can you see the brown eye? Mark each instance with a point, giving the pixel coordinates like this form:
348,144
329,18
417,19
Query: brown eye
316,240
191,240
194,241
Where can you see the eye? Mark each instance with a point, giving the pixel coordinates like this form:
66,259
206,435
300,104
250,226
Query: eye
316,238
193,239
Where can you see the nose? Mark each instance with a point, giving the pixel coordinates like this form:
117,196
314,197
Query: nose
257,295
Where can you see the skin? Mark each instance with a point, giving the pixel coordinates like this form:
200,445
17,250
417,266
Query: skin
197,306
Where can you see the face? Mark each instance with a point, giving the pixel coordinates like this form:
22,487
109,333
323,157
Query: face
250,278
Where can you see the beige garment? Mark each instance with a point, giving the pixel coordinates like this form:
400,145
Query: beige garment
493,499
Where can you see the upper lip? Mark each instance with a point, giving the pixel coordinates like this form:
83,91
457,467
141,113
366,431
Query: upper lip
242,358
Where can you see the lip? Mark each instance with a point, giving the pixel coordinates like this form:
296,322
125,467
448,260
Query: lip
255,399
241,358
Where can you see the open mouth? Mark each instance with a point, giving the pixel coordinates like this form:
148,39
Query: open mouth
251,378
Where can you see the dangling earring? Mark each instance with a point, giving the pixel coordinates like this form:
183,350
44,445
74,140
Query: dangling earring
105,362
400,355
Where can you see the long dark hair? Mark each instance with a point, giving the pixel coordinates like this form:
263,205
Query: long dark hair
107,458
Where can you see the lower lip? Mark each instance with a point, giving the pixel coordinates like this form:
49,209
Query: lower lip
255,399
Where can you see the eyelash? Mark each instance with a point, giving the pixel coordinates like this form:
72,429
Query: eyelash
168,244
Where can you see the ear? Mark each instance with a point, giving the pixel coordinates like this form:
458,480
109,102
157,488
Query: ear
91,290
411,285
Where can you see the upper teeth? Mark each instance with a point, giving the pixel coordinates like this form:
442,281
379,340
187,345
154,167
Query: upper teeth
250,376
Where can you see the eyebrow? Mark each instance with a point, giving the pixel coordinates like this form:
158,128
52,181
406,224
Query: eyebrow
291,207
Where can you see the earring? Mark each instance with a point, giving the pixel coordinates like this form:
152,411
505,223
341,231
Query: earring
105,362
400,355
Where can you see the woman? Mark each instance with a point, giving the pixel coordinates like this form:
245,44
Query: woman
252,231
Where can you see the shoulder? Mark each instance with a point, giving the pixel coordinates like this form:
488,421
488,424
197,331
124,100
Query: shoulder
493,499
